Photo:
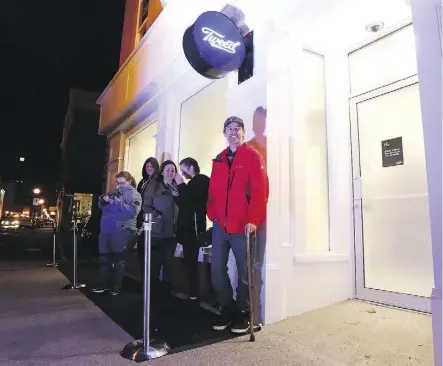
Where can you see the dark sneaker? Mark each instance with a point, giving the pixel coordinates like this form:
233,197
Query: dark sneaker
194,302
241,325
114,292
99,290
223,321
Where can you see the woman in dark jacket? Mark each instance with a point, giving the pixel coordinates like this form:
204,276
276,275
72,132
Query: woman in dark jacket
191,222
162,202
149,174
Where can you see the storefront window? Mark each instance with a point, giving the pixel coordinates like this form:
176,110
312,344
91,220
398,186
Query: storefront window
142,18
316,158
201,129
140,147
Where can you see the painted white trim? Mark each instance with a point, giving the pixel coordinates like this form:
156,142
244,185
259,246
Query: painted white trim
324,257
397,300
132,133
408,81
139,128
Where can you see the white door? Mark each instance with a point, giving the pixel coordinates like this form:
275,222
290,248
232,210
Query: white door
393,252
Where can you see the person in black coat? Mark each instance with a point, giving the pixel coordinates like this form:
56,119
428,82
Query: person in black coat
191,221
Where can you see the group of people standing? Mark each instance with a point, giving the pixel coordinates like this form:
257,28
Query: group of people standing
234,199
179,212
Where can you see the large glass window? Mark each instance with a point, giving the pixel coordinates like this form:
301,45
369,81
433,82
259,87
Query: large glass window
316,158
140,147
201,130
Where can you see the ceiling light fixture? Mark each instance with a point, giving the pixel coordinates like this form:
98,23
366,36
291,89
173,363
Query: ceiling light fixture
375,27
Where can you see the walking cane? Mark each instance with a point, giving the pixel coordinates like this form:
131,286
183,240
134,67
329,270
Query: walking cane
250,265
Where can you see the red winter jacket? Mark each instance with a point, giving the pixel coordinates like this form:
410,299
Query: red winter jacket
238,195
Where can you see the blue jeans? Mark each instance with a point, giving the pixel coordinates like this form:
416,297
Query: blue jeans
221,244
112,247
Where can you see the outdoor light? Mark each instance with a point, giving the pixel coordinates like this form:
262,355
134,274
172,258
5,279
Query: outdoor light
41,202
22,159
37,190
375,27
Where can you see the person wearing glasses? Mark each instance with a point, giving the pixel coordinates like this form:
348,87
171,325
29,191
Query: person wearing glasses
118,228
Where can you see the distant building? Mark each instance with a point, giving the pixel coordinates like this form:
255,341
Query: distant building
2,196
12,199
83,152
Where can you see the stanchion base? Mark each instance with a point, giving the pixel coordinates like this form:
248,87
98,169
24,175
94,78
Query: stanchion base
134,350
70,286
52,265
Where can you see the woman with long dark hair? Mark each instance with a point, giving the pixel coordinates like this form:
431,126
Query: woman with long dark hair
149,174
120,208
163,204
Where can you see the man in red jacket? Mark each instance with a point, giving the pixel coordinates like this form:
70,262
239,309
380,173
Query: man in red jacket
238,193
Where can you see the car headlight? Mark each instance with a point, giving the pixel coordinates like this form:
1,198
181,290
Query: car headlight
6,222
16,223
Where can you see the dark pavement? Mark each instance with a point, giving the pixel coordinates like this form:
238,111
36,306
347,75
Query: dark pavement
42,324
30,247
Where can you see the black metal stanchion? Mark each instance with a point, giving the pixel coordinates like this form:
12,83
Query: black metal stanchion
53,263
74,285
146,348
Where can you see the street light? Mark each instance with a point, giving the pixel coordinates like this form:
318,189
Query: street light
36,190
41,201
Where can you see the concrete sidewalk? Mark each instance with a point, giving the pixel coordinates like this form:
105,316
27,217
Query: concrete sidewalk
41,324
349,333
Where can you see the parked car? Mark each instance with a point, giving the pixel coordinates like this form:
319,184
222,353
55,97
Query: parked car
26,222
9,224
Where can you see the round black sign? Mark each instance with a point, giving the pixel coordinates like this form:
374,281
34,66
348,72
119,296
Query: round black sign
213,45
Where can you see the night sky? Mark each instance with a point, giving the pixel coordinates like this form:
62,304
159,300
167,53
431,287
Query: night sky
47,46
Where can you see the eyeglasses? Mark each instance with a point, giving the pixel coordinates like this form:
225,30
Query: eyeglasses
120,183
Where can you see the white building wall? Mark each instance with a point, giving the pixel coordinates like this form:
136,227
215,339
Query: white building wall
295,280
428,37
